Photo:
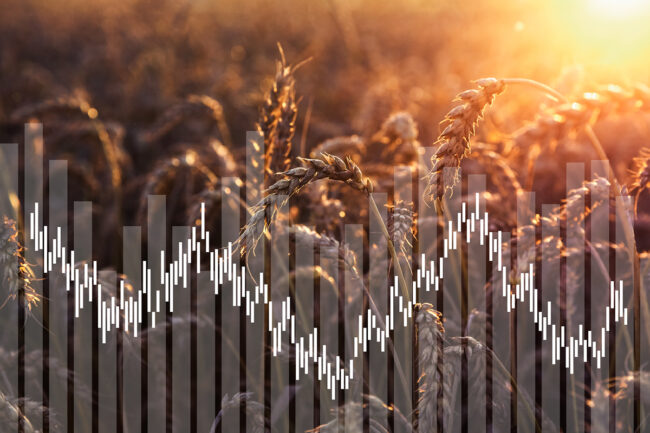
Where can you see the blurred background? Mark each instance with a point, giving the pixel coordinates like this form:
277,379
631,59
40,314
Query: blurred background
134,58
156,96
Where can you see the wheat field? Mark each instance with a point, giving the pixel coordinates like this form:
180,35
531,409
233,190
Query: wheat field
352,101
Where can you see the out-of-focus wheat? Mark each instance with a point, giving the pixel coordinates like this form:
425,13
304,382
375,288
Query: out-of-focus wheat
192,107
17,274
11,415
641,174
401,225
352,416
254,411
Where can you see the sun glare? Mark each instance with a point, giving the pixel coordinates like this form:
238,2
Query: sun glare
602,34
619,8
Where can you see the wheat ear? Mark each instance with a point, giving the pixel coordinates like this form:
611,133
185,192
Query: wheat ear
454,141
430,332
278,118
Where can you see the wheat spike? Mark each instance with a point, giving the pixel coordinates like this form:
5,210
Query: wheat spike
401,225
454,141
278,118
430,333
314,169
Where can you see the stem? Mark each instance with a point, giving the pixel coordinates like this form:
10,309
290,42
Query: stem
444,216
599,149
539,86
391,248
